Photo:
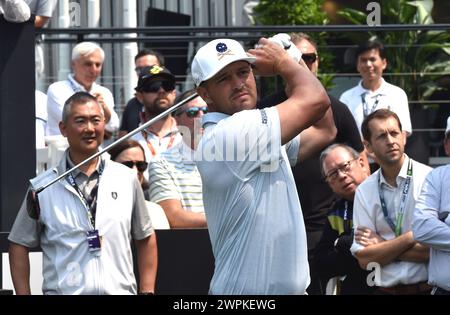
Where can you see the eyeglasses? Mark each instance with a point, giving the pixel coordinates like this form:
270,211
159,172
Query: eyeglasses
140,165
193,111
153,87
309,58
344,169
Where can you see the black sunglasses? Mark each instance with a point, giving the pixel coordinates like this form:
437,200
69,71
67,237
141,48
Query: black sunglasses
309,58
193,111
140,165
139,69
153,87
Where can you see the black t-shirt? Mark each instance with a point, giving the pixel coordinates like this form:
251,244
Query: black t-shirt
130,116
316,197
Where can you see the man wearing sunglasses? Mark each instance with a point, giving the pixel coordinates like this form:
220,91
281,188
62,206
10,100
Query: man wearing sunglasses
131,115
315,195
156,91
175,183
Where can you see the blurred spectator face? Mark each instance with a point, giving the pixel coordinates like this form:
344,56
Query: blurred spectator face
134,158
343,172
309,55
86,69
370,65
193,111
190,117
145,61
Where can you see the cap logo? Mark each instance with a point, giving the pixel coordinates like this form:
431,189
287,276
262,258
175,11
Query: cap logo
222,50
156,70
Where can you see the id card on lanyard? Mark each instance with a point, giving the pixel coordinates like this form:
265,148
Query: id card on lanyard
93,237
366,110
397,227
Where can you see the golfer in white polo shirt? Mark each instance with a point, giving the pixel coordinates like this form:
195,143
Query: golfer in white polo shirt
251,203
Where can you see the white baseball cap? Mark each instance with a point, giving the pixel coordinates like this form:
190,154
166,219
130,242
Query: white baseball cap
447,130
216,55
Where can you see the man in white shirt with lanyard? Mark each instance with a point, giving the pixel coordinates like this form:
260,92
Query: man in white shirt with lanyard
85,223
431,225
156,91
383,211
373,92
87,62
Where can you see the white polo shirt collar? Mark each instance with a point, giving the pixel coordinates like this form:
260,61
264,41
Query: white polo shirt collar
402,174
77,87
380,91
213,118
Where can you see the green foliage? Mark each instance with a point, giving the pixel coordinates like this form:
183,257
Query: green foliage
290,12
295,12
421,55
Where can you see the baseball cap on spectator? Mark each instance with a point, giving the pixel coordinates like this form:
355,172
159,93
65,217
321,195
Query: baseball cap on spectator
216,55
154,73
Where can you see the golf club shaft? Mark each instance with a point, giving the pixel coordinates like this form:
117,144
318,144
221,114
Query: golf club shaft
128,135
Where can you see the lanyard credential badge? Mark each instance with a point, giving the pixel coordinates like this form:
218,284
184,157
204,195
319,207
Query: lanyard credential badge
94,242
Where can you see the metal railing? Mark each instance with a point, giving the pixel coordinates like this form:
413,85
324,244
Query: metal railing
197,34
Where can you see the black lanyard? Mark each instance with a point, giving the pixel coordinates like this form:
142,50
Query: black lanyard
91,202
397,228
347,221
366,109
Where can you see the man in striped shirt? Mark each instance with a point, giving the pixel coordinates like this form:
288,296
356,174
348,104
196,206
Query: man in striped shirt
175,182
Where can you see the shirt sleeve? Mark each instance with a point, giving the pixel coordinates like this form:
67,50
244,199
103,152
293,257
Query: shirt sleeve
361,216
45,8
162,184
292,149
427,228
141,224
25,231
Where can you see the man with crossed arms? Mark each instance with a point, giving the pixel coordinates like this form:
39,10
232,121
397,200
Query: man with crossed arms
383,211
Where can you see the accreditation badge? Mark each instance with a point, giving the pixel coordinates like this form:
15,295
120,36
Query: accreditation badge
94,242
